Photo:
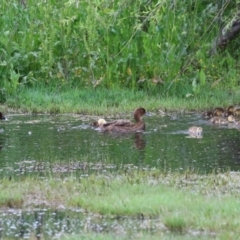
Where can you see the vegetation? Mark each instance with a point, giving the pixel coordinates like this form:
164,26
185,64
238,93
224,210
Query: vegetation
108,102
141,236
182,201
159,47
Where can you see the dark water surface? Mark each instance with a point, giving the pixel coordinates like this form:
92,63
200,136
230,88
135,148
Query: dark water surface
67,143
35,144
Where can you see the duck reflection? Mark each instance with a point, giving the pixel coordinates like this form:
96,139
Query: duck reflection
139,141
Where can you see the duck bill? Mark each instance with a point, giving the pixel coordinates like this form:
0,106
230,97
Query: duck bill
148,114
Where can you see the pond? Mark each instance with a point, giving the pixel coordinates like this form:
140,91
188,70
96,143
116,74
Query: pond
39,144
34,144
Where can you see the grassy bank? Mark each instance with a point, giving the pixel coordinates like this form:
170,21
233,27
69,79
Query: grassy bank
160,46
183,202
103,101
139,236
157,53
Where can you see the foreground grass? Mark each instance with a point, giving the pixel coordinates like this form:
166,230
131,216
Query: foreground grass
103,101
182,201
140,236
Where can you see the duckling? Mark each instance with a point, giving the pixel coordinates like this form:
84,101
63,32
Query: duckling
218,120
236,111
218,112
99,122
2,117
207,115
232,119
195,131
125,125
229,111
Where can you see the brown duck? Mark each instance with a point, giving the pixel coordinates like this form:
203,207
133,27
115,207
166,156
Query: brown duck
122,125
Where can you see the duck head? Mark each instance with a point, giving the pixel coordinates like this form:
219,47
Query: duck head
138,113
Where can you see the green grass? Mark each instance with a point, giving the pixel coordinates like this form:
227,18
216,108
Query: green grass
102,101
183,202
10,198
139,236
157,46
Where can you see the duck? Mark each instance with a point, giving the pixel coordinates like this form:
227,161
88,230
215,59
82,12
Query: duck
123,125
216,112
229,111
218,120
207,115
195,131
232,119
236,112
2,117
99,122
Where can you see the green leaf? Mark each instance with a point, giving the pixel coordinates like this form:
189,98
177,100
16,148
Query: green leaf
202,78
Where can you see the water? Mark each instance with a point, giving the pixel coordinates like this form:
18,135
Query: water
66,143
49,224
36,144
